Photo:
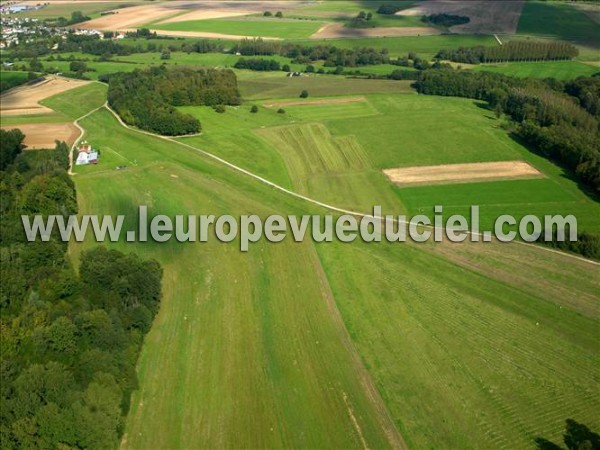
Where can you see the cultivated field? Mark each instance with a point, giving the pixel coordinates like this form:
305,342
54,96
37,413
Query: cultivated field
25,100
461,173
44,135
337,31
561,70
254,26
487,16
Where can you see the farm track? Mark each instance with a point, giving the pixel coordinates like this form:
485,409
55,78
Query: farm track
311,200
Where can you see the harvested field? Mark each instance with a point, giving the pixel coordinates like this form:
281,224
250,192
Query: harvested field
338,30
462,173
322,101
24,100
44,135
203,14
127,18
487,16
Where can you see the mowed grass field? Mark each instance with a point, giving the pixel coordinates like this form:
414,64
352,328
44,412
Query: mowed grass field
469,346
65,9
558,20
247,345
250,26
561,70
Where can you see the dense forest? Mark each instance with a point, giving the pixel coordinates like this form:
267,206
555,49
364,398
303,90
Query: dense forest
69,342
557,120
147,98
512,51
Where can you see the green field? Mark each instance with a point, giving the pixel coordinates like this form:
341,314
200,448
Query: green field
251,26
468,346
561,70
558,20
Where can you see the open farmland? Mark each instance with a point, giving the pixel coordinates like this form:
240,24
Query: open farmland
26,99
252,26
462,384
561,70
559,20
309,345
45,135
461,173
486,17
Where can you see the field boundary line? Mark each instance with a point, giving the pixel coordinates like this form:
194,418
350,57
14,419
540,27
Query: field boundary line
317,202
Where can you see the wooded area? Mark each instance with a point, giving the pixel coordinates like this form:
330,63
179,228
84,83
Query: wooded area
147,98
70,342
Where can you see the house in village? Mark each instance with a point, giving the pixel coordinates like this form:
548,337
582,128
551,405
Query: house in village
86,155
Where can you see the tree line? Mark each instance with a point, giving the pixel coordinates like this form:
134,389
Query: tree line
512,51
303,54
147,98
445,20
70,341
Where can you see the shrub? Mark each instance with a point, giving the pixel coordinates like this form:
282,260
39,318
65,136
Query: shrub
220,109
304,94
281,111
254,109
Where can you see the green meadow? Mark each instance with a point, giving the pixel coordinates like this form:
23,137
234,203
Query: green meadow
346,345
561,70
248,26
558,20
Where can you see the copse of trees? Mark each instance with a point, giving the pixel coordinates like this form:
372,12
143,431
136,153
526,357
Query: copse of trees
445,20
388,9
147,98
11,144
302,54
257,64
587,91
512,51
67,375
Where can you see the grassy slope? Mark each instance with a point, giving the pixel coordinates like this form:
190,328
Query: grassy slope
561,70
455,351
245,344
13,79
66,9
281,28
462,359
559,20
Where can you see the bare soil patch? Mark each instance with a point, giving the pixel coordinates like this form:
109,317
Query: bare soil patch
461,173
25,99
44,135
204,14
338,30
323,101
487,16
126,18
